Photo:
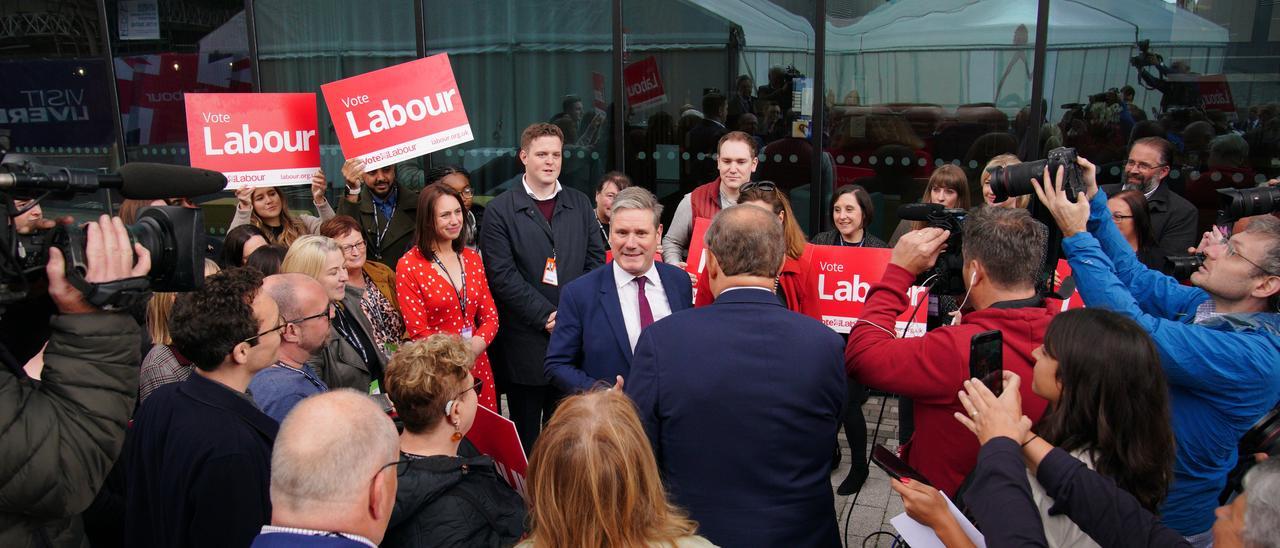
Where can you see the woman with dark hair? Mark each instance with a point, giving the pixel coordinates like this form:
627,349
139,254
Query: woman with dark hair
1129,211
459,179
851,214
441,284
241,242
1115,420
948,186
267,259
795,264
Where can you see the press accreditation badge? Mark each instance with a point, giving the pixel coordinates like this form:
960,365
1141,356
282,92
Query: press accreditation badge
549,273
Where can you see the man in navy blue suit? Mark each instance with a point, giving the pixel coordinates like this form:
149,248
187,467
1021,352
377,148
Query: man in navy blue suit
602,313
741,399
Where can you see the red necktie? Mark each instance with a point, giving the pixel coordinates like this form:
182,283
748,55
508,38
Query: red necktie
646,313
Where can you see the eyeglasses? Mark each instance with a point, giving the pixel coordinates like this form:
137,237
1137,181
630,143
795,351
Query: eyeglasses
1118,217
466,191
477,387
253,341
1142,165
326,314
1232,252
765,186
352,247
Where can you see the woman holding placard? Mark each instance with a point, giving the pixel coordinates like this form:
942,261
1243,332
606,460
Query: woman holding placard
265,208
441,284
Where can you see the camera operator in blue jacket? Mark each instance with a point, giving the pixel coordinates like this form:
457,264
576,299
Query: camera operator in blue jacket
1219,339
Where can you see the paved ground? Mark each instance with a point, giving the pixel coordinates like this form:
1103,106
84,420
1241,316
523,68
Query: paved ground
877,503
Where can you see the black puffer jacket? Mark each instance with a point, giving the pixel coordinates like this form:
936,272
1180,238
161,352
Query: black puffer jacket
454,501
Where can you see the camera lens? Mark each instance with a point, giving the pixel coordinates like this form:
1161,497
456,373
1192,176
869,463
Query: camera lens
1015,180
1241,203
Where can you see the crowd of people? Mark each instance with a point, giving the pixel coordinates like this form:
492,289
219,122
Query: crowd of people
321,386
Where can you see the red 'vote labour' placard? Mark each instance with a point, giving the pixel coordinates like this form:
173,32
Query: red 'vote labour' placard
495,436
839,280
1073,301
696,261
255,139
399,112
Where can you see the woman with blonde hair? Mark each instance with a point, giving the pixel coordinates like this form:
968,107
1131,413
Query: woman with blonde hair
448,494
351,358
163,364
265,208
988,195
593,481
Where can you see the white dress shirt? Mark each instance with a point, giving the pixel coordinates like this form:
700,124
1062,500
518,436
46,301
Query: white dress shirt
628,296
529,190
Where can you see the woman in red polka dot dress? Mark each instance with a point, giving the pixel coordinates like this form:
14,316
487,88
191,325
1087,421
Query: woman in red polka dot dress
441,285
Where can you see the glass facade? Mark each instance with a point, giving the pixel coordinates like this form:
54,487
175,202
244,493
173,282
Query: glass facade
901,88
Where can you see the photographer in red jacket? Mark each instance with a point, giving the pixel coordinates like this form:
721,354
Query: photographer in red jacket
1003,250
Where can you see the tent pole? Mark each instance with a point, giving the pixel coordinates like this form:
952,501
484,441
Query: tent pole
818,192
1029,149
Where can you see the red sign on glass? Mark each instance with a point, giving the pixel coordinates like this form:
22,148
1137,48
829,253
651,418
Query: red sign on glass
495,436
1215,93
838,283
255,139
397,113
644,84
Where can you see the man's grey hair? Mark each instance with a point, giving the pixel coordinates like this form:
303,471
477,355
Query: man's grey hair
285,290
634,197
1229,150
1269,227
747,241
328,449
1009,244
1262,507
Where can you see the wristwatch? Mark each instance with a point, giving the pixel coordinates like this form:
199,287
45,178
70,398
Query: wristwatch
353,192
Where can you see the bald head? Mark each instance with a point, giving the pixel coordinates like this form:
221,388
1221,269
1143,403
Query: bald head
747,241
294,293
327,451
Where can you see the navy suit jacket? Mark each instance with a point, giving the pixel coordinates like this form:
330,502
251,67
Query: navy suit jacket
198,462
741,400
590,343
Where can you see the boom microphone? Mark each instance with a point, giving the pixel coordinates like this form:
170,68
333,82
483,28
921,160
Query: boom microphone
138,180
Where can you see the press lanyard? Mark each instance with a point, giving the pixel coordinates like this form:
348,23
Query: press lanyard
379,234
461,293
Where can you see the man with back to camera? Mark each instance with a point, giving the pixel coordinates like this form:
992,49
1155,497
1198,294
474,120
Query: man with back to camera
307,312
537,237
607,189
736,162
602,313
55,456
333,474
1219,340
741,399
1003,252
386,210
1173,218
198,455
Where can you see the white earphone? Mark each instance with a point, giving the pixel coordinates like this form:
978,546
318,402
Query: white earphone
448,408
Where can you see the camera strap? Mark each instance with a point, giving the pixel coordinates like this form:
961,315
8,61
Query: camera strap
112,296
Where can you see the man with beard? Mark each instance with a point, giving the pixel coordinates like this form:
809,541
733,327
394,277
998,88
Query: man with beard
1173,218
386,210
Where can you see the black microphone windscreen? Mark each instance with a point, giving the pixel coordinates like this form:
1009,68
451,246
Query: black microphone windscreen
918,212
145,181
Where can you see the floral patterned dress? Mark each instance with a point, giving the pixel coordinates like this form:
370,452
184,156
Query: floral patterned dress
430,305
388,326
